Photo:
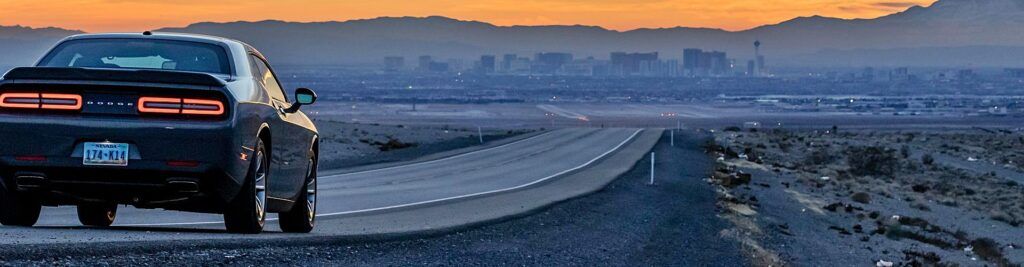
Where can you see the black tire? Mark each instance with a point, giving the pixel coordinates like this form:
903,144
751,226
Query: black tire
17,208
247,213
302,217
101,215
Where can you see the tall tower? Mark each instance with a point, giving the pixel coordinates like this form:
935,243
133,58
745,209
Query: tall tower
757,48
758,59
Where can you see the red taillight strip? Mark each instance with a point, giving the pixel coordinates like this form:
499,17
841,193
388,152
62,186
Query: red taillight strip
202,107
30,158
41,101
162,105
191,106
61,101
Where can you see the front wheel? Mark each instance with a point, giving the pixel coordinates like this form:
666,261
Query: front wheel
17,209
101,215
247,213
302,217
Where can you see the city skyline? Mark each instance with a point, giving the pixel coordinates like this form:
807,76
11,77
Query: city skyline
95,15
691,62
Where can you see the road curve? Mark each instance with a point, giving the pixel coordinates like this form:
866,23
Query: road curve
350,199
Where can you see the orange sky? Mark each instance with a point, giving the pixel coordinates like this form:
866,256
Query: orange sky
137,15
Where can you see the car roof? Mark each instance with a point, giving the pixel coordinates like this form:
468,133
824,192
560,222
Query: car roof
158,35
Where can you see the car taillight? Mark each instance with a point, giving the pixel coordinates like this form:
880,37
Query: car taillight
188,106
41,101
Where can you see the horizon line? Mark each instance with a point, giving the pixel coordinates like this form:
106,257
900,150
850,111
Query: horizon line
465,20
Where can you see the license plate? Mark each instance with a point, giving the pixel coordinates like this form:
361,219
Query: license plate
105,154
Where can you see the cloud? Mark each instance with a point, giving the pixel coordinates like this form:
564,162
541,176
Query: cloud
877,7
894,4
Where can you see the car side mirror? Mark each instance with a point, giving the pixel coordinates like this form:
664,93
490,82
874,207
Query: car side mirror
303,96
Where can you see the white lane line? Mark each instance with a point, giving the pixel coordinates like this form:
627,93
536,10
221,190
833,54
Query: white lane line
440,159
635,133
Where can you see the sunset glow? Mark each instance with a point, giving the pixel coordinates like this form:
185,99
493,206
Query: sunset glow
137,15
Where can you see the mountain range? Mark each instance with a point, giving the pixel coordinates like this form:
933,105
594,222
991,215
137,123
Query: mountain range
947,33
23,45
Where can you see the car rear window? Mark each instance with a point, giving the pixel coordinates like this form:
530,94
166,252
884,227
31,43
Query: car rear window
139,54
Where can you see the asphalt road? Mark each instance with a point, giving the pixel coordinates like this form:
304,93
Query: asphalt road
407,195
626,223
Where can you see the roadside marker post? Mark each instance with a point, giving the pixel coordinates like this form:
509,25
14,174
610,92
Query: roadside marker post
480,133
652,168
672,135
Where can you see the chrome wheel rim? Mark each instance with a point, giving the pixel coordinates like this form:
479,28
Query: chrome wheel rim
261,186
311,192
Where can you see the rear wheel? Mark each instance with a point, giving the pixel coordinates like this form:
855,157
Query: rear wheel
101,215
302,217
247,213
17,209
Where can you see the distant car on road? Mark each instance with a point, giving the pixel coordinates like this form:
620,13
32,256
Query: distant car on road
156,120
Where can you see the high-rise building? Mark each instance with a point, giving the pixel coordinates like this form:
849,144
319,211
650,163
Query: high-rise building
751,68
717,63
584,67
899,74
629,63
506,62
672,68
487,64
424,63
394,63
520,66
691,56
697,62
548,63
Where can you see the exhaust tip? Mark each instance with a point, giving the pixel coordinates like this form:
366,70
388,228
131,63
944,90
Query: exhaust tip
30,180
184,186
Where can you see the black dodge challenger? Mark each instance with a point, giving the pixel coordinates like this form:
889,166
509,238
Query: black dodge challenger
156,120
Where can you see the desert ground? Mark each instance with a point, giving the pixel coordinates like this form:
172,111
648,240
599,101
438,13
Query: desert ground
860,197
349,144
652,115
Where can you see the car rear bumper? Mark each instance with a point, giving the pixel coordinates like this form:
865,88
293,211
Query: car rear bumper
174,164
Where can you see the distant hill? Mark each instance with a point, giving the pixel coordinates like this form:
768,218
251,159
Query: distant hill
947,33
23,45
947,25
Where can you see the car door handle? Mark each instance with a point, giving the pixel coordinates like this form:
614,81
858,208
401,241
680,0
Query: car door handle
280,109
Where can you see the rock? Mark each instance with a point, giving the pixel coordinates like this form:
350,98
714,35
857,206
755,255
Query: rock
841,230
861,197
732,180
